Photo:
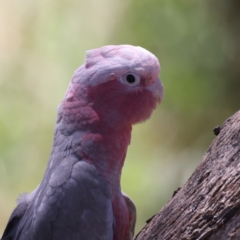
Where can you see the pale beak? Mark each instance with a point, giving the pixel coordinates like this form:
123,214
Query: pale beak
157,90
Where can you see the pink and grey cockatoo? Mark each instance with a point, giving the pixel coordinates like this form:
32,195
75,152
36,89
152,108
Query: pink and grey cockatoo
80,196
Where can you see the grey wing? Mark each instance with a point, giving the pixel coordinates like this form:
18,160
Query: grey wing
75,204
132,217
15,218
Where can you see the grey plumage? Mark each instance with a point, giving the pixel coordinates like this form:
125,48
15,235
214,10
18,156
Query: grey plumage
72,202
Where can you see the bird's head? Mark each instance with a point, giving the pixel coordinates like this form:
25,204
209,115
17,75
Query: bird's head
120,83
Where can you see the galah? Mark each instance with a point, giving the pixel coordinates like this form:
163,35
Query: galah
80,195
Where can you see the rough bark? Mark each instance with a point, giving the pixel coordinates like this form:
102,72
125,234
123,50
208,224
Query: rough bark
208,205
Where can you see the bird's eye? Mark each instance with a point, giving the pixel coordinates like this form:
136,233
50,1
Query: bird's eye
131,79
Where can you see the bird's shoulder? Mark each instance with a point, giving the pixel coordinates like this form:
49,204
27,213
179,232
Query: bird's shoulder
75,203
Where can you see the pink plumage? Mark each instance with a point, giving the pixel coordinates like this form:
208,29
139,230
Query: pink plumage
115,105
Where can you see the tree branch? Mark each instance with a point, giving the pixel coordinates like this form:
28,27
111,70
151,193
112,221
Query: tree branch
208,205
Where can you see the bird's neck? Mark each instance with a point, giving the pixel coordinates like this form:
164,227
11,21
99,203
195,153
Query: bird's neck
94,141
106,149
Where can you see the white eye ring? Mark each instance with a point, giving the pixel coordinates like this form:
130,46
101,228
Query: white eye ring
131,79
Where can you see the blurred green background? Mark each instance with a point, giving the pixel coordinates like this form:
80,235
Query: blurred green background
43,42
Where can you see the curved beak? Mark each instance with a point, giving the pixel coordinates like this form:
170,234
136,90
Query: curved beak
157,90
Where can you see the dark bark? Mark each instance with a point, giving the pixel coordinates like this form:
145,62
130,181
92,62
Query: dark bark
208,205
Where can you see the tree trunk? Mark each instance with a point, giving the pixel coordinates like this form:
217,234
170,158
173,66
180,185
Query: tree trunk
208,205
